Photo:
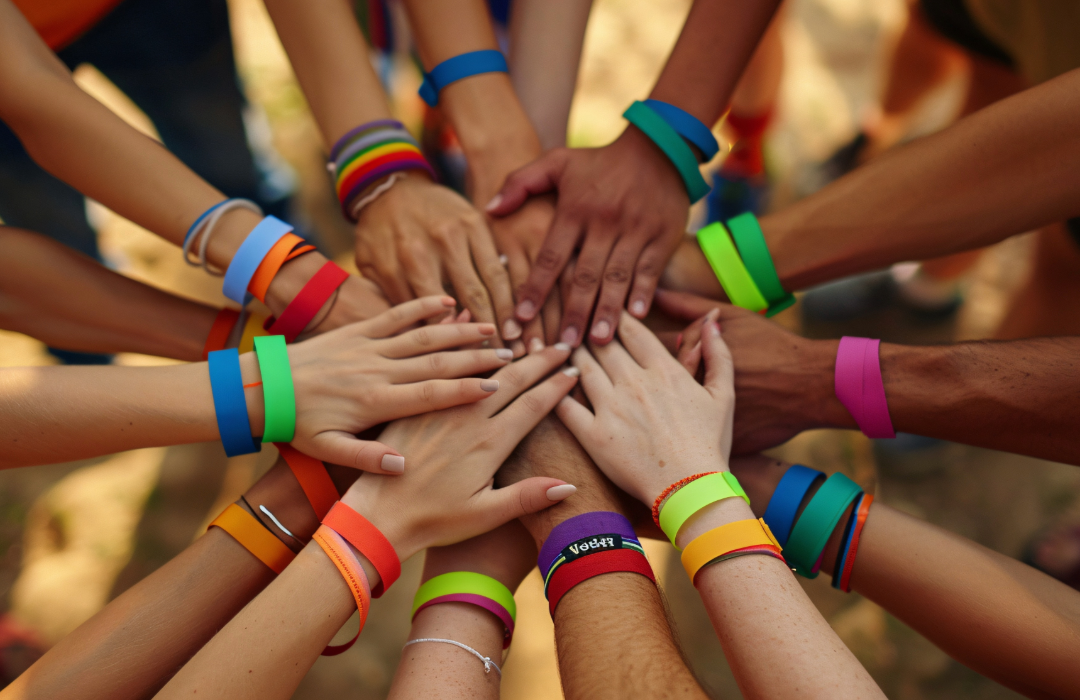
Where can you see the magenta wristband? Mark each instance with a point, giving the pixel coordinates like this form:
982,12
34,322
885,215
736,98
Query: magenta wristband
859,387
482,601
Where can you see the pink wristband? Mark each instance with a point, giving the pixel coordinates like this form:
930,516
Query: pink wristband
859,387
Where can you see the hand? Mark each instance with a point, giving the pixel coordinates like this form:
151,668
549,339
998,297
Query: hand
784,382
626,207
419,236
446,495
359,376
652,424
689,271
506,554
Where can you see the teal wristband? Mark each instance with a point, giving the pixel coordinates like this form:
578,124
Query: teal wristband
279,398
668,140
816,524
759,263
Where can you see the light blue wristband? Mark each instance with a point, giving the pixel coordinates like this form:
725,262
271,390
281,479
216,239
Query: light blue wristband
454,69
688,126
250,255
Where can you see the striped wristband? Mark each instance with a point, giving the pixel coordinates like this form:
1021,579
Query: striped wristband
369,153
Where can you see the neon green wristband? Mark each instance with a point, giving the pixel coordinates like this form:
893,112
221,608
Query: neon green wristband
729,268
759,263
817,521
473,588
668,140
696,495
279,398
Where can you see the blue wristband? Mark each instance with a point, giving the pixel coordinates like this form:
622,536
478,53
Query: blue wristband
786,499
688,126
849,532
453,69
230,406
250,255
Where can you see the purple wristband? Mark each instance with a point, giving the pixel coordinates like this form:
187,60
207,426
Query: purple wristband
377,124
859,387
485,603
579,527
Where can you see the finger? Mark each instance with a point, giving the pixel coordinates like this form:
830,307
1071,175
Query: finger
434,395
470,290
529,409
433,338
550,260
402,316
542,175
377,260
585,282
424,274
683,305
497,280
646,276
719,369
577,419
691,360
552,315
527,496
641,343
518,266
616,361
448,365
594,379
613,289
519,376
338,447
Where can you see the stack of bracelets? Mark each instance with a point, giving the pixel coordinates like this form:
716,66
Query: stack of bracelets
747,274
804,534
475,589
674,130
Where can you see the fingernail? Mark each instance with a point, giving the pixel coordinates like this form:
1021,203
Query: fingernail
486,328
558,493
601,329
569,336
535,346
678,341
495,201
572,372
526,310
489,384
465,316
504,260
393,463
449,301
518,348
713,329
504,354
511,329
562,347
638,308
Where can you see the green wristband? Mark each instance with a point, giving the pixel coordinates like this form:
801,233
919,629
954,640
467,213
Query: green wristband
759,263
279,399
696,495
729,268
818,519
668,140
465,582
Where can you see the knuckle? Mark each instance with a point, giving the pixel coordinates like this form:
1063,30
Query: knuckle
427,392
423,336
532,403
436,362
585,278
617,275
548,260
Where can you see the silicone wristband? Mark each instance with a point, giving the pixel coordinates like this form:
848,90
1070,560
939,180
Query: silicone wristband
725,539
458,68
786,499
847,567
253,328
845,540
750,240
603,542
219,332
230,405
253,536
279,397
345,140
694,496
577,528
288,248
859,387
688,126
362,158
311,474
367,141
767,550
469,587
729,268
668,141
388,166
350,569
671,489
251,252
575,572
360,533
304,307
817,522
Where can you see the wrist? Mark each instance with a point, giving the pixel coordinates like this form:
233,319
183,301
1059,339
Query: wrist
541,524
712,516
819,406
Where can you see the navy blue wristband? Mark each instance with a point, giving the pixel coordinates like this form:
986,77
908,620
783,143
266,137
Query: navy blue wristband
230,406
849,532
454,69
786,499
688,126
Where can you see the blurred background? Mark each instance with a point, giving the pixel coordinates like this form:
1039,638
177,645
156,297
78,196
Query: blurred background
73,536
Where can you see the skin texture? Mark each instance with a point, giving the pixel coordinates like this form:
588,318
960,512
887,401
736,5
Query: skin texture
624,204
1019,396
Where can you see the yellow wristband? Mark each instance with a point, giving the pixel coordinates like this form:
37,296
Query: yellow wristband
726,539
253,328
252,536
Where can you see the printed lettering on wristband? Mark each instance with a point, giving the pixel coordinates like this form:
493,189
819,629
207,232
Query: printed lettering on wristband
581,527
337,549
369,541
589,546
817,522
609,562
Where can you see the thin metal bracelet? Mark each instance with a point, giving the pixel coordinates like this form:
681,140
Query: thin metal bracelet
488,663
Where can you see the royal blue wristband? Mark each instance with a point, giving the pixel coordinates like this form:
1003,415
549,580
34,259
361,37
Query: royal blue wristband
578,527
786,499
250,255
849,532
688,126
454,69
230,406
198,221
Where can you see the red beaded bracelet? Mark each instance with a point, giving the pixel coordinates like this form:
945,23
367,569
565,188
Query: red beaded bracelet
670,490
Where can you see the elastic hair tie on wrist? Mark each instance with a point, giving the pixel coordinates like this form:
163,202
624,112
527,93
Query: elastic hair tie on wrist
305,306
858,385
366,538
668,140
218,337
253,536
786,499
698,494
688,126
729,268
279,396
250,255
742,537
473,588
337,549
204,226
750,241
458,68
230,404
671,489
816,523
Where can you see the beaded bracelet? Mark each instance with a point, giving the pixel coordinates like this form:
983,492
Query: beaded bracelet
473,588
729,268
668,140
369,153
671,489
750,240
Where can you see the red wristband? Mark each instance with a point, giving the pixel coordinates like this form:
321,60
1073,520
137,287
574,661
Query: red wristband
219,332
311,473
367,539
298,314
853,548
571,574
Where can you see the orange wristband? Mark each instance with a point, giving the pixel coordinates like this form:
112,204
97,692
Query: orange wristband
735,536
311,473
219,332
367,539
288,247
254,537
350,569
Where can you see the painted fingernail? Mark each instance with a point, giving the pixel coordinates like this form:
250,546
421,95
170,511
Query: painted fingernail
526,310
562,347
570,335
572,372
518,348
504,354
511,329
535,346
448,301
489,384
678,341
558,493
504,260
495,201
713,329
638,308
486,328
393,463
465,316
601,329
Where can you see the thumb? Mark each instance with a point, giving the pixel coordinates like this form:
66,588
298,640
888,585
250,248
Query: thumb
339,447
683,305
538,177
524,497
719,368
